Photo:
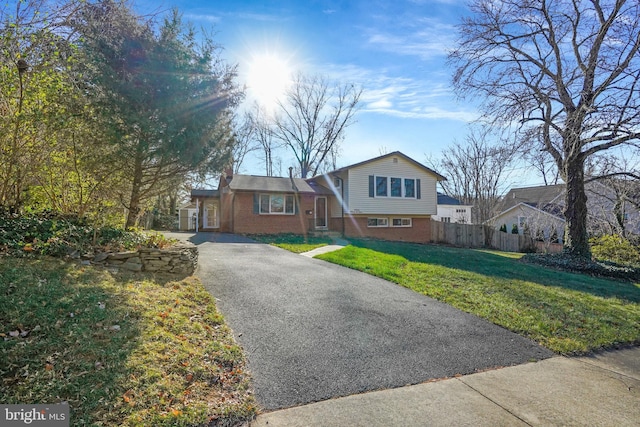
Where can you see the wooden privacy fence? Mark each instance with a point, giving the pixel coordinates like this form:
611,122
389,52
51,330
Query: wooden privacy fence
481,236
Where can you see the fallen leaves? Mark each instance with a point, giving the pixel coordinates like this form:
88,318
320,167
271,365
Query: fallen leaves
173,373
128,397
20,332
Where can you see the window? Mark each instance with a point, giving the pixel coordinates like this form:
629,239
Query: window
461,211
522,221
377,222
410,188
381,186
394,187
277,204
401,222
446,219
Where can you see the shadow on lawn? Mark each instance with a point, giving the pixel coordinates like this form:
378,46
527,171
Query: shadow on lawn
77,339
494,265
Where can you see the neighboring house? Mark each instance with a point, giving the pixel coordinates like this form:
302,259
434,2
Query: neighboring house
203,213
530,220
390,197
540,210
187,217
452,210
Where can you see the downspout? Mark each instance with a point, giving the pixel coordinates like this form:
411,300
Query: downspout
197,213
233,212
297,201
341,201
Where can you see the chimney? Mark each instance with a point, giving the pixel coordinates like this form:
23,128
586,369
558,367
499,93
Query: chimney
228,174
290,172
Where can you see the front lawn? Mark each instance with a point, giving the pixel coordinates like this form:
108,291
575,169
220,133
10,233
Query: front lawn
296,243
120,349
566,312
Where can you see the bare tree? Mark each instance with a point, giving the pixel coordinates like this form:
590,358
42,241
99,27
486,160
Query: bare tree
543,163
568,70
618,203
262,126
312,118
477,170
244,135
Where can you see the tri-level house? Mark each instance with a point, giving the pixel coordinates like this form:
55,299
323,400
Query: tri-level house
390,197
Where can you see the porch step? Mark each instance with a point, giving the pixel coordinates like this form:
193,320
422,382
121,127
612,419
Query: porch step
321,233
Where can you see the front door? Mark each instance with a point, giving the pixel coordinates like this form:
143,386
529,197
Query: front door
321,212
210,219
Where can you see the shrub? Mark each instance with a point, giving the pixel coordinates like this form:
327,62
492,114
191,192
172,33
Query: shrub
614,248
62,236
503,228
514,229
568,262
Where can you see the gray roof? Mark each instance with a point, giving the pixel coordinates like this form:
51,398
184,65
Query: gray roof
539,197
443,199
275,184
395,153
197,192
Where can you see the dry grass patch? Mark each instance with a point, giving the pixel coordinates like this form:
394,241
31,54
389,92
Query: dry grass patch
120,349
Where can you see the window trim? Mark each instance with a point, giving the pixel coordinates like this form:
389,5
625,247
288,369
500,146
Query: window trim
284,203
383,219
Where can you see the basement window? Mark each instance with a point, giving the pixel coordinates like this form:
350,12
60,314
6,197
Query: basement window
377,222
401,222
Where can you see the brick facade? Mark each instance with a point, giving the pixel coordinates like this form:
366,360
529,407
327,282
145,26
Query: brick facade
239,216
419,232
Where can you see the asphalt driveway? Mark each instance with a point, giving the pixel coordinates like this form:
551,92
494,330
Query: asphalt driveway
313,330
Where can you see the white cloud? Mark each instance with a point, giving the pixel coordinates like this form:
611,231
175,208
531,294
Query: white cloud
208,18
403,97
423,37
379,104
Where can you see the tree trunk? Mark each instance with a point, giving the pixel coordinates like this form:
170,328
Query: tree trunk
576,241
134,200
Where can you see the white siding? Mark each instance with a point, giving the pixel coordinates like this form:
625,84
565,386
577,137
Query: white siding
334,201
357,189
451,211
535,219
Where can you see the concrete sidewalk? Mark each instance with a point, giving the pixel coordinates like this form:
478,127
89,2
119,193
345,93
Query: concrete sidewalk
322,250
600,390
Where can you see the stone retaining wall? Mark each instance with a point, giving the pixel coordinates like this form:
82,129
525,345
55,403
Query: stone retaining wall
179,259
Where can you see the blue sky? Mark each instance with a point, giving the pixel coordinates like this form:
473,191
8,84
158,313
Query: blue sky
394,49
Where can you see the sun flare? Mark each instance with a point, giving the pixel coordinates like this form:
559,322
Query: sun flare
268,79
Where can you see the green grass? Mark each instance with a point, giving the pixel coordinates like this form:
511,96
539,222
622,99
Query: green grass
294,242
122,350
565,312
